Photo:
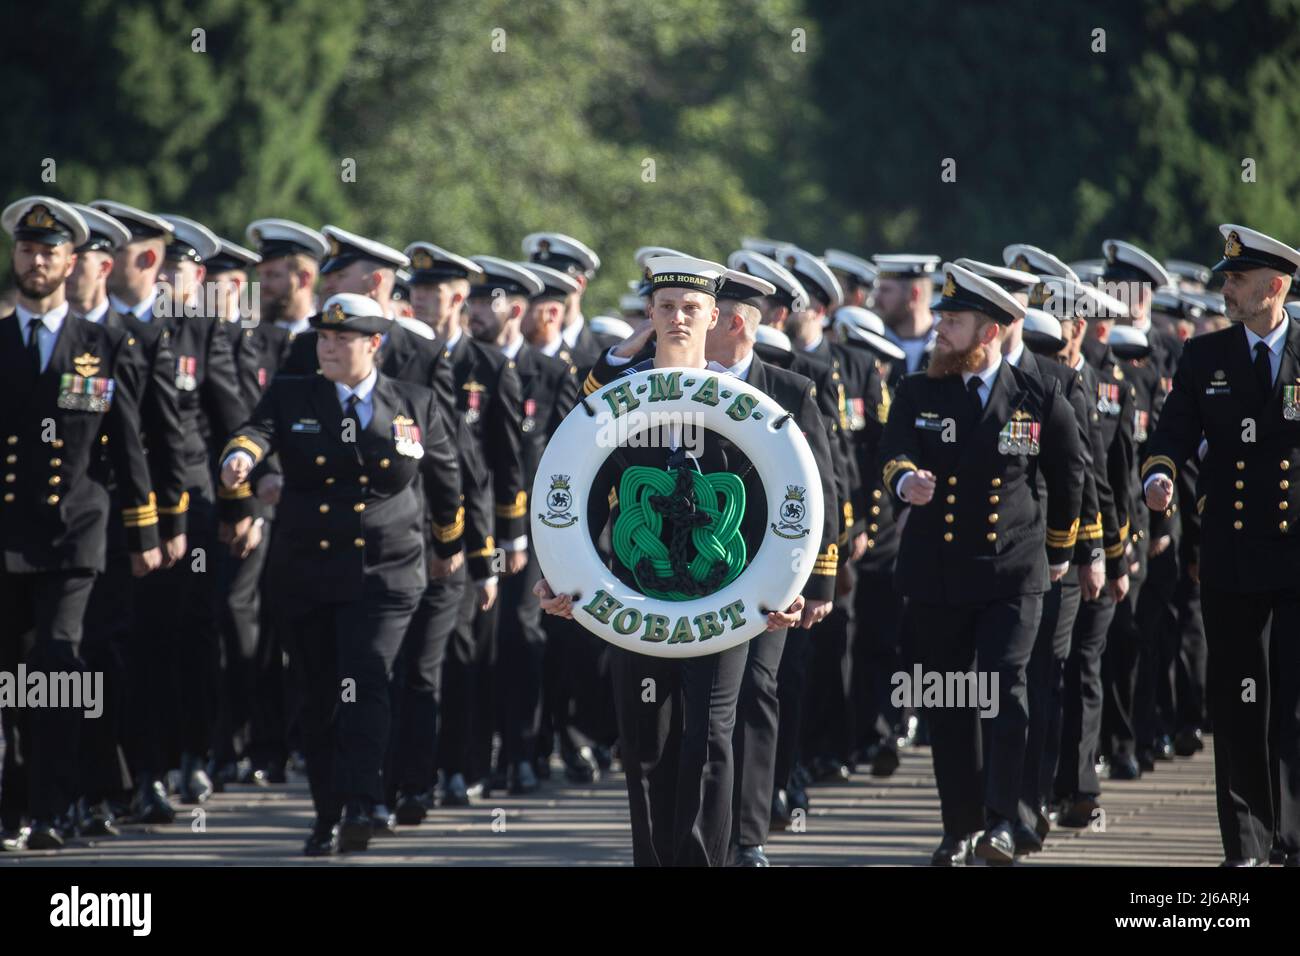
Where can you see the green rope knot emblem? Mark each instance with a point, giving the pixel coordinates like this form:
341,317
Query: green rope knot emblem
688,500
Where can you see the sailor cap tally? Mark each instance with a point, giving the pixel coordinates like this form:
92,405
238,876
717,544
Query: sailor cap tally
1250,249
276,238
347,248
685,272
964,291
45,220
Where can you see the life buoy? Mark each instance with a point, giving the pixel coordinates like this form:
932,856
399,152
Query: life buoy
656,620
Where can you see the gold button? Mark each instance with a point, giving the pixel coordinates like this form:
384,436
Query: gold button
947,536
1283,505
384,463
1285,464
9,496
324,545
329,481
11,478
57,443
875,509
952,499
52,499
1237,525
359,542
997,482
320,459
873,528
876,494
324,509
103,439
994,499
1239,505
10,459
1282,525
55,480
949,518
992,536
364,480
1239,484
952,479
359,507
56,462
1241,466
871,543
993,518
1284,484
13,440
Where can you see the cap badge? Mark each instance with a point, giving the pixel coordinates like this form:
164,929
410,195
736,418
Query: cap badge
1021,263
1110,252
1233,248
422,259
335,315
950,286
335,249
38,217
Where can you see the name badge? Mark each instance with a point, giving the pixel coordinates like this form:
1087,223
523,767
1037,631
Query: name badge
1218,390
1019,438
81,394
929,422
307,426
406,435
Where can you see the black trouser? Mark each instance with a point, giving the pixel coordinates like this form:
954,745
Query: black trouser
521,649
829,717
417,686
465,738
978,761
754,740
1076,773
790,682
1157,623
877,656
239,614
175,653
578,704
1045,680
1254,685
342,656
42,614
1189,671
675,738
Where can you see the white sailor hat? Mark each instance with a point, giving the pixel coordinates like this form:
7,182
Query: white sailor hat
1042,333
1250,249
505,275
143,225
347,248
349,312
1089,270
106,233
766,247
741,286
45,220
905,266
856,268
608,325
631,302
231,257
1013,280
190,241
789,291
1177,305
1208,301
649,252
685,272
813,274
964,291
433,264
859,326
276,238
1027,258
1128,343
559,251
1064,298
1126,262
555,284
1191,271
775,338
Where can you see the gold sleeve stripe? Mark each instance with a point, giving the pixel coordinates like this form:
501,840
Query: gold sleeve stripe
516,510
1063,539
179,508
590,385
142,511
1092,531
450,532
894,467
489,545
1117,549
234,494
241,443
142,522
1159,461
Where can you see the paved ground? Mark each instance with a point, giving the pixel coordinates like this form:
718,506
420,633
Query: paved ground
1167,818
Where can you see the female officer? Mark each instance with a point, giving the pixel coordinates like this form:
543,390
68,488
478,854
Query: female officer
366,460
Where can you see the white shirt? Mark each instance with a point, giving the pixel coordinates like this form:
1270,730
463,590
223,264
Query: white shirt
454,338
1013,357
98,313
1274,340
553,347
294,327
364,392
987,378
913,349
142,310
48,333
741,369
812,345
570,333
511,351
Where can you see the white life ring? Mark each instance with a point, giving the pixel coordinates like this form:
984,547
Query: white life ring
620,411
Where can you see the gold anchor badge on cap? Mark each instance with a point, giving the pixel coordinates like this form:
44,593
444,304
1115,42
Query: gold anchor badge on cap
335,248
950,286
38,217
87,365
422,259
335,315
1233,248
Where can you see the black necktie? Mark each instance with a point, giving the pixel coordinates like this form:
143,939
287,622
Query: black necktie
977,407
1263,369
350,412
34,345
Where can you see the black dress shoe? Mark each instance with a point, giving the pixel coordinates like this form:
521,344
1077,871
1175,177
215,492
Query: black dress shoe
604,757
383,822
196,785
324,841
1163,748
521,779
151,805
45,835
797,799
1042,823
97,821
953,851
1291,859
456,794
355,831
1243,861
580,766
997,845
542,767
222,774
751,856
496,780
801,776
1146,760
1124,767
885,762
413,808
1026,839
1189,741
260,778
1077,813
780,812
15,841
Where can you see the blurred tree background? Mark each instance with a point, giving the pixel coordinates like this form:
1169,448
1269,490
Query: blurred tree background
680,122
